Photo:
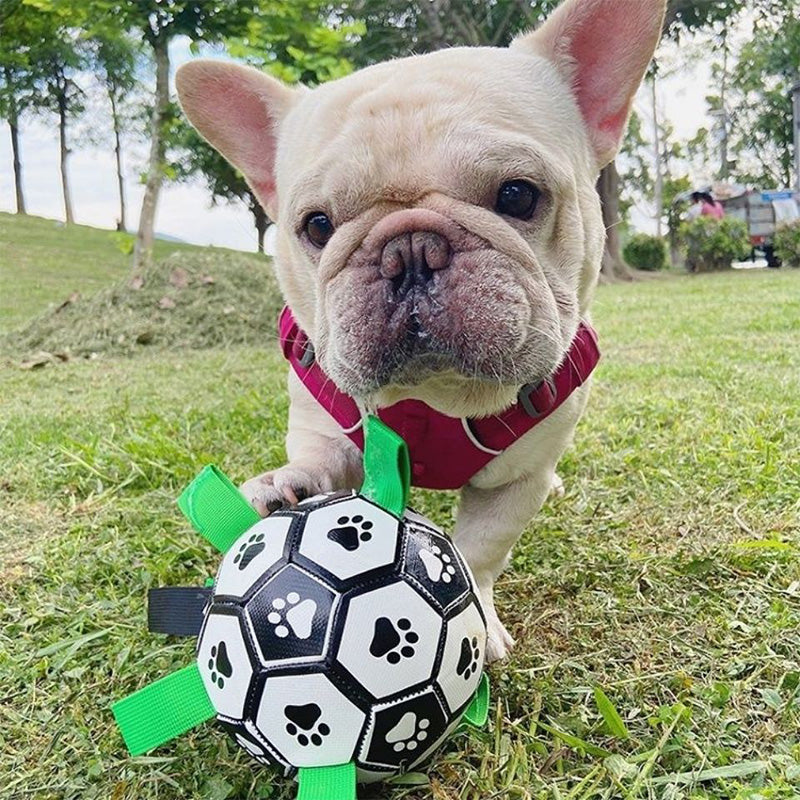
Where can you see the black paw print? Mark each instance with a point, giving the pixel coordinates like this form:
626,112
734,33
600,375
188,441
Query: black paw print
220,664
249,549
351,532
304,724
468,662
393,642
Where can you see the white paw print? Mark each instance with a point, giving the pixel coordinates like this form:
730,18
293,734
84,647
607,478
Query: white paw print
292,616
437,564
409,733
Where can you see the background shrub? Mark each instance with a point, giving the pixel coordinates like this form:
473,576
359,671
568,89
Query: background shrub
787,243
712,244
646,252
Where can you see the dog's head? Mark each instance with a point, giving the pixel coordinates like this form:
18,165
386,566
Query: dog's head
439,232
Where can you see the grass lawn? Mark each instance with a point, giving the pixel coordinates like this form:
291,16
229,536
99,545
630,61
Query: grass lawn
668,575
44,261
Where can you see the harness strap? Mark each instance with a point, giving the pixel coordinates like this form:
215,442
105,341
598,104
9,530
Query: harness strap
537,401
445,451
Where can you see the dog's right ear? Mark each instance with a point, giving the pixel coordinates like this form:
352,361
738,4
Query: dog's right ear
237,110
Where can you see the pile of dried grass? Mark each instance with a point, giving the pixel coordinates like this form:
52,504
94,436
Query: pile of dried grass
189,300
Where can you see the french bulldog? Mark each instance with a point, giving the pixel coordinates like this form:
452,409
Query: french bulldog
439,238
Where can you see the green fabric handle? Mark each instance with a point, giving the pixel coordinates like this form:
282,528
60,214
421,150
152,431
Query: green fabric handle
478,711
163,710
327,783
387,469
216,508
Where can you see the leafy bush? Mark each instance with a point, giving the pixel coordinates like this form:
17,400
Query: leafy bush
787,243
712,244
646,252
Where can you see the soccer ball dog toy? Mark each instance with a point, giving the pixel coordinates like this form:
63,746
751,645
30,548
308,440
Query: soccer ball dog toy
343,639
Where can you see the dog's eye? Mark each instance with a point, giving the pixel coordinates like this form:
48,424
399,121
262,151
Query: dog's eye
517,199
318,228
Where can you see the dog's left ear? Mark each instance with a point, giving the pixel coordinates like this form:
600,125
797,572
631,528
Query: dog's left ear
602,47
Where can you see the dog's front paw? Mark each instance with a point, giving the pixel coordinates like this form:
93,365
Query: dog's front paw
499,641
282,487
556,486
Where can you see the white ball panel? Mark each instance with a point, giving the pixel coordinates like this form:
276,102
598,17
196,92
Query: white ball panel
390,639
253,553
350,537
224,664
308,720
462,660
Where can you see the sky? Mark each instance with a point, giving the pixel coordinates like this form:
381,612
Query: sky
185,212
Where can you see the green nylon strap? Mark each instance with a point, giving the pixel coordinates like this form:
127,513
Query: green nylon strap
327,783
163,710
216,508
387,469
478,711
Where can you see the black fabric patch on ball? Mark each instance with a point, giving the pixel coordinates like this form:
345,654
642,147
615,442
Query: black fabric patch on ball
404,731
432,565
290,615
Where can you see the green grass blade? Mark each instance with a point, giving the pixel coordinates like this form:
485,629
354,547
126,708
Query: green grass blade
576,741
610,715
740,770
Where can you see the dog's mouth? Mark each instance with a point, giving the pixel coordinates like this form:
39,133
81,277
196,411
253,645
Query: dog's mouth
426,298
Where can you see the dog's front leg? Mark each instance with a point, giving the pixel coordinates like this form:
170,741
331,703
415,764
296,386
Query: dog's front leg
321,457
489,523
504,497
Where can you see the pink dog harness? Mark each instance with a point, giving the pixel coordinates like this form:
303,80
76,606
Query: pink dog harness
445,451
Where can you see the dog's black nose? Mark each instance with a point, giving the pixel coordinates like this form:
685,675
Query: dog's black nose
411,258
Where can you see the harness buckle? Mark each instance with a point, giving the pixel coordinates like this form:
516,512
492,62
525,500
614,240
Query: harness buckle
538,398
307,358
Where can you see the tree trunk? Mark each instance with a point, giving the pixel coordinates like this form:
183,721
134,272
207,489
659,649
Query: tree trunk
143,249
658,189
12,124
63,154
613,267
121,224
261,221
675,255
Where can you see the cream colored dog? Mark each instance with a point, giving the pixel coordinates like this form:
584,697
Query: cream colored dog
439,238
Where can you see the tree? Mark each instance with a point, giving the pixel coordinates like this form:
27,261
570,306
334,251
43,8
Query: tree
113,57
306,42
195,157
41,53
57,59
158,22
398,27
758,98
21,35
15,84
